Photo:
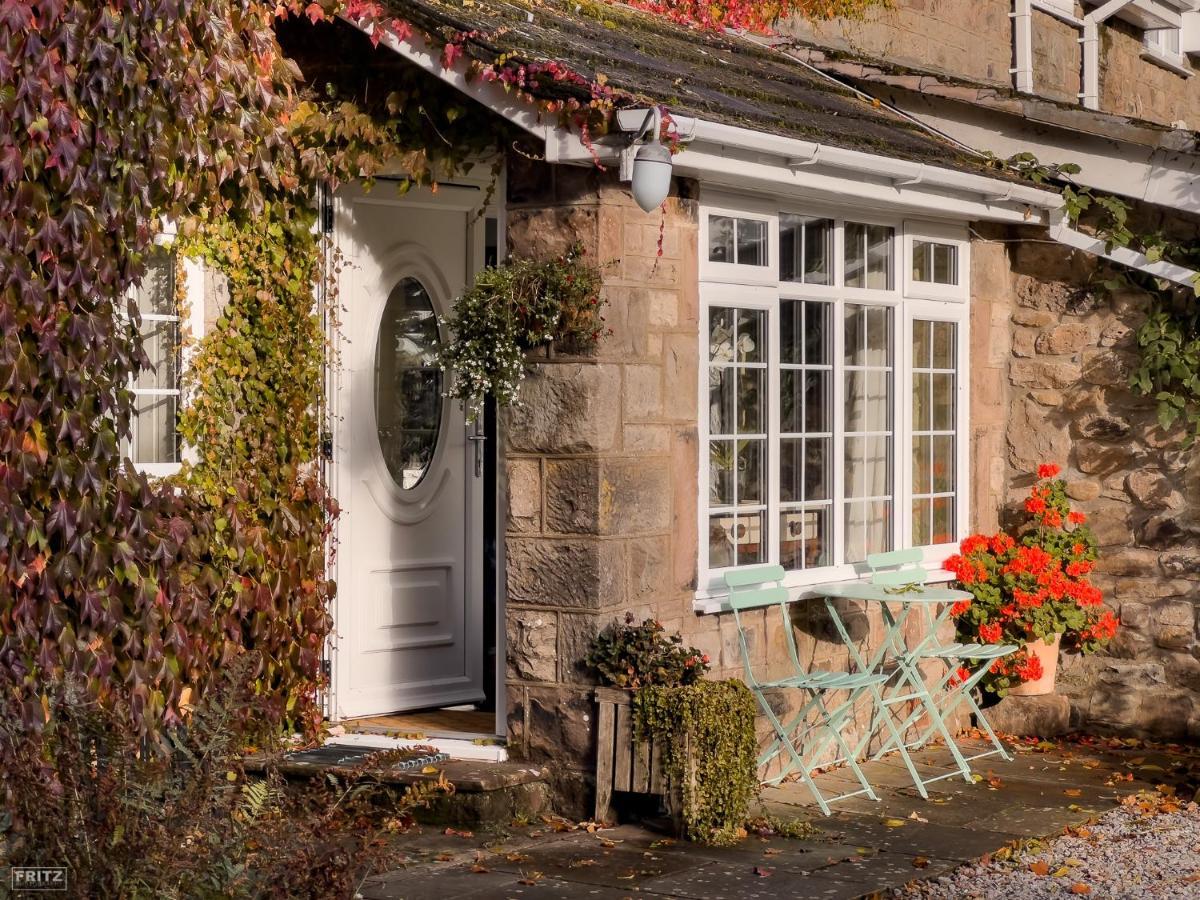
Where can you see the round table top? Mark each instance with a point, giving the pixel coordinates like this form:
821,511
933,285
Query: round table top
885,593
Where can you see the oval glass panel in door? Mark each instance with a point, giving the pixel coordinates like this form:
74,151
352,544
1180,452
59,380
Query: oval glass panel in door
408,383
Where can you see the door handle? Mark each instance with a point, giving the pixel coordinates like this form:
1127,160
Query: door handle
478,438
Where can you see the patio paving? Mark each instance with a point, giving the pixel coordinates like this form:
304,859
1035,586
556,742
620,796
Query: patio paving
863,850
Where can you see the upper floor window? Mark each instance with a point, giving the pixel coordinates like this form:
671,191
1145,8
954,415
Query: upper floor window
834,423
1163,40
154,444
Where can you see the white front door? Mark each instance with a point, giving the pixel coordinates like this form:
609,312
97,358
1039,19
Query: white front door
409,609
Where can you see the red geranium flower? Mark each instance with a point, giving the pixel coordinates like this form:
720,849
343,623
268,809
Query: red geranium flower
1048,470
990,632
1076,518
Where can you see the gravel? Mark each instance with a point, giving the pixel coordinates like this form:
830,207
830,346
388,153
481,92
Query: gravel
1131,852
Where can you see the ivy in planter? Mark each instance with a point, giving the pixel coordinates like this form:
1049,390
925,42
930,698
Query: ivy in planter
512,309
706,731
705,728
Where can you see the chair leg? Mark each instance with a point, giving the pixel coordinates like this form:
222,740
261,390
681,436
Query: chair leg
834,722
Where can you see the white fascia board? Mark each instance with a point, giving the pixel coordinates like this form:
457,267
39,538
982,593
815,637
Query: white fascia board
1072,237
1153,175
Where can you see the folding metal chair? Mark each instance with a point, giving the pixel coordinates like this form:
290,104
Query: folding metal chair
758,588
898,568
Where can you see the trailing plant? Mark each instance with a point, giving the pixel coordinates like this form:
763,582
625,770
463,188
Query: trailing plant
1032,586
755,15
1169,338
636,656
191,822
514,308
706,732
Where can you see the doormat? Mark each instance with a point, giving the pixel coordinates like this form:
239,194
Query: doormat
402,760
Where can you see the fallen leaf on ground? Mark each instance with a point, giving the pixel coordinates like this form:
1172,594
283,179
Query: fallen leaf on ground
920,862
1073,792
516,857
763,872
454,832
1041,867
1080,888
530,879
916,818
480,869
894,823
580,863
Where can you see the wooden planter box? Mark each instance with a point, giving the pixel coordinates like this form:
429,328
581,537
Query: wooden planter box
623,764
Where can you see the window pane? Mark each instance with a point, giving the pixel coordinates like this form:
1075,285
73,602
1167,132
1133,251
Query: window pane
879,336
922,343
154,431
750,490
868,528
720,541
818,251
943,520
922,523
855,255
720,334
943,401
804,538
817,333
922,261
879,258
720,473
720,239
806,249
751,391
945,264
160,340
720,400
922,460
868,405
791,401
943,463
749,533
792,314
943,344
816,469
922,407
751,242
156,294
791,470
868,466
750,345
817,402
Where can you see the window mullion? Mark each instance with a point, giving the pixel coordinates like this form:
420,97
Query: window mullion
773,448
837,414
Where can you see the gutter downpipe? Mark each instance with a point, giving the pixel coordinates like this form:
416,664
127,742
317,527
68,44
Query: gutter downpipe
1091,49
1063,233
1022,16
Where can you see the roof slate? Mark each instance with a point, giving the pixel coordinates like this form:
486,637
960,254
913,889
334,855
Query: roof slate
714,77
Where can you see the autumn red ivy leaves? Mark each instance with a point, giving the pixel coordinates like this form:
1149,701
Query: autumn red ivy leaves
1034,585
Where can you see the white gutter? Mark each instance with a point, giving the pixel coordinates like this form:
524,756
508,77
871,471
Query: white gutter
1071,237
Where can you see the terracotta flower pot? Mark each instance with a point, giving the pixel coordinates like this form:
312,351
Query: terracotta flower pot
1048,654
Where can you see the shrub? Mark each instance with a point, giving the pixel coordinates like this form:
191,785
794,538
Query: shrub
191,822
634,656
1032,586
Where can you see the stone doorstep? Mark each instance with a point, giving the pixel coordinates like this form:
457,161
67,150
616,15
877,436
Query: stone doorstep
485,793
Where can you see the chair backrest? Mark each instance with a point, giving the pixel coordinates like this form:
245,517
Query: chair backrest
756,588
897,567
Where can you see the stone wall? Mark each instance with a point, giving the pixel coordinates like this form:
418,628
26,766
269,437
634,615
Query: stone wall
1069,352
972,39
600,458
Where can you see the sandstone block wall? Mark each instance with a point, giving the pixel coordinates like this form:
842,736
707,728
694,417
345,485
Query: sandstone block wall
1069,351
972,39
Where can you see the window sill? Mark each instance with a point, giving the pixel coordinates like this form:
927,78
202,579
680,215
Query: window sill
1171,63
710,602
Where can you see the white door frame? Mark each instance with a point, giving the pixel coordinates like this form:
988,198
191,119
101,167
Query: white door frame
463,193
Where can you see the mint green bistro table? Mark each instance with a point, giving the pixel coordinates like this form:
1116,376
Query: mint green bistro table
938,698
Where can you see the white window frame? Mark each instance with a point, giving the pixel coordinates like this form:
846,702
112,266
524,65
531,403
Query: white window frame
191,328
1154,51
938,233
721,285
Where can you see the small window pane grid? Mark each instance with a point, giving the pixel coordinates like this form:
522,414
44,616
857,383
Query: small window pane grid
834,395
935,263
805,433
155,437
742,242
934,432
867,459
737,427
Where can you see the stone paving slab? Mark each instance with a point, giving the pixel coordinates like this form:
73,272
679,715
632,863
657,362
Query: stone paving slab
864,849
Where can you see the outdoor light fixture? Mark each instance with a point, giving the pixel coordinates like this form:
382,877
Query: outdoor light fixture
650,179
